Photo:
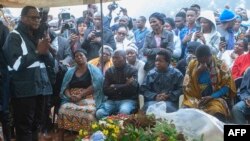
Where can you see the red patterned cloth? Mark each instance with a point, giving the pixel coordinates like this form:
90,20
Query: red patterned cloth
76,116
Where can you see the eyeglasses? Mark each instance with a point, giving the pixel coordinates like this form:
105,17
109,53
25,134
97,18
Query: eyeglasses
121,33
34,17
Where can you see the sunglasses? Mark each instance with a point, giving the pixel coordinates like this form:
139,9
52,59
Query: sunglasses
121,33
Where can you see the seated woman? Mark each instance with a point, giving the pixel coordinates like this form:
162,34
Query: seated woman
241,64
163,83
104,60
156,40
131,56
121,38
229,56
81,94
208,84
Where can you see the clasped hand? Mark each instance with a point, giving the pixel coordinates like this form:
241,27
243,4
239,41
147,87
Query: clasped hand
204,100
161,97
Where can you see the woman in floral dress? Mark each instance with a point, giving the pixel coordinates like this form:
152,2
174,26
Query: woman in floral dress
81,94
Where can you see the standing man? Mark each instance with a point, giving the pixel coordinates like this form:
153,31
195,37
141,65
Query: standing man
93,37
28,59
197,7
92,9
180,22
4,86
227,20
187,32
140,32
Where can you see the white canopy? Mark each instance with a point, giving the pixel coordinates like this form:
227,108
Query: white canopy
47,3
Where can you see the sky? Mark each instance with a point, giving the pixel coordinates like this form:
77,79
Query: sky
137,8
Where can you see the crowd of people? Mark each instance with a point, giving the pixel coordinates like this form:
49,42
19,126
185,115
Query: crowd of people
92,69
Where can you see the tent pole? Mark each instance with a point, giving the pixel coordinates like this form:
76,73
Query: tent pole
102,63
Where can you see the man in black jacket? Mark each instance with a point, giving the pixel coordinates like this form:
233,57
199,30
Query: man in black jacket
92,38
120,86
28,59
4,86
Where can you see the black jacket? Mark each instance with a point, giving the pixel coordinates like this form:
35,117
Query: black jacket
4,31
29,76
150,49
93,48
118,78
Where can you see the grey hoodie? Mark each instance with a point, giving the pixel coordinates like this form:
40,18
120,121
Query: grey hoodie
213,38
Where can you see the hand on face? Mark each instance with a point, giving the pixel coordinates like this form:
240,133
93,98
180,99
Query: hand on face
201,68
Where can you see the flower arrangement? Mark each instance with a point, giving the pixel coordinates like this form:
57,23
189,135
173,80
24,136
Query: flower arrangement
107,129
137,127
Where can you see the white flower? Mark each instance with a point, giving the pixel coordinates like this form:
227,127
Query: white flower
102,122
121,124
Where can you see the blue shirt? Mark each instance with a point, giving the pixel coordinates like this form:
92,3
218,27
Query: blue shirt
204,78
140,36
185,31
